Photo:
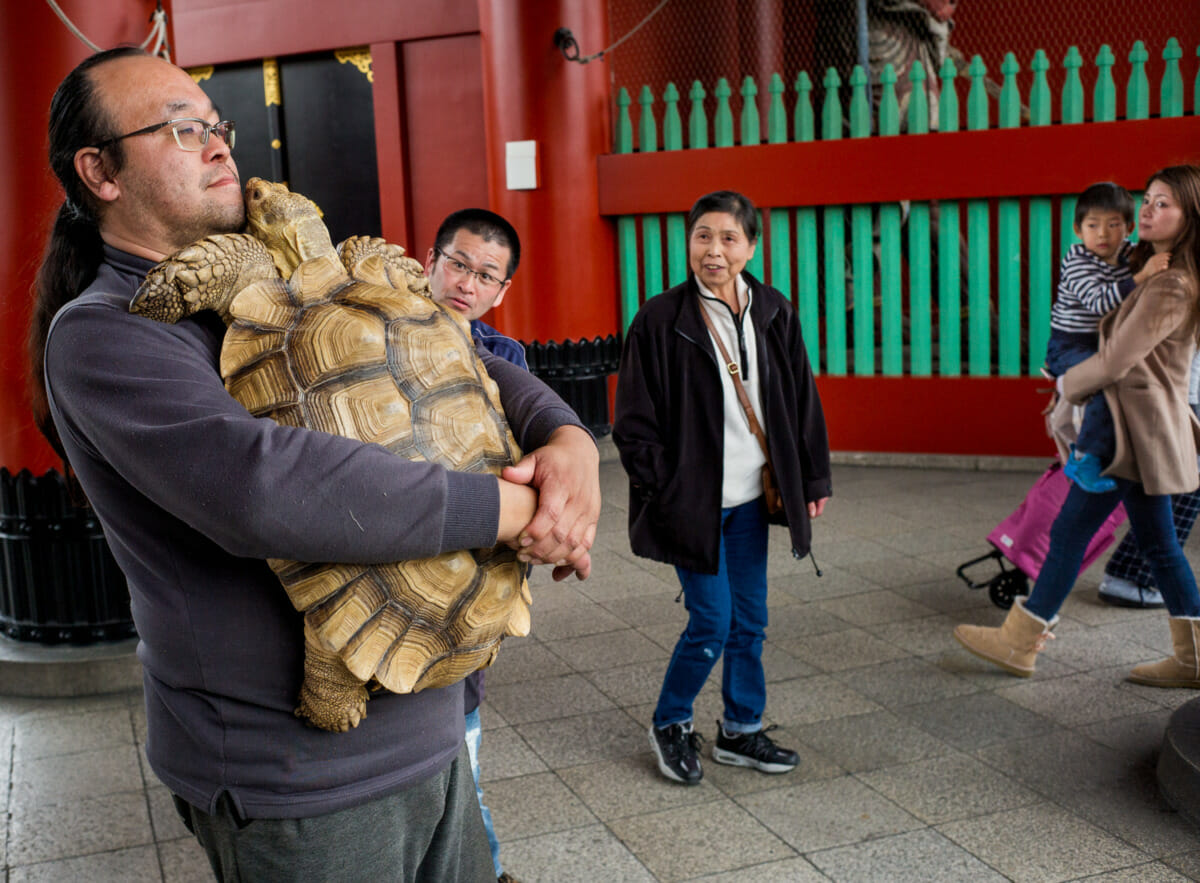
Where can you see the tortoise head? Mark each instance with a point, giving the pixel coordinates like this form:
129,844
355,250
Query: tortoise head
287,223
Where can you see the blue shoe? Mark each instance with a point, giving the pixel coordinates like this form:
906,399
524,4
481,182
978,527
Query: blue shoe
1084,470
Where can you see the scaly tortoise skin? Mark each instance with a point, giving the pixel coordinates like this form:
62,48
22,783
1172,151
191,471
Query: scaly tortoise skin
352,344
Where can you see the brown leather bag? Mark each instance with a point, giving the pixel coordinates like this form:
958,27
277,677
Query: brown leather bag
771,495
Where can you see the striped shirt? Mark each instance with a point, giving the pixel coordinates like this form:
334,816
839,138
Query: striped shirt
1089,287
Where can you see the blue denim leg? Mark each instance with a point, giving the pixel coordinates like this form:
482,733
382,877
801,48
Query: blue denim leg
743,683
1097,434
1152,522
711,616
1065,351
1081,516
474,740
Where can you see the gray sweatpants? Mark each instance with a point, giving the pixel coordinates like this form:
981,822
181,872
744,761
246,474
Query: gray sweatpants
430,832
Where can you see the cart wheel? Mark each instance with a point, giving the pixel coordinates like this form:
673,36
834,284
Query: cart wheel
1005,587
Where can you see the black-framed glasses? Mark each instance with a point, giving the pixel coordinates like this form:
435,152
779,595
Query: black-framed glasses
457,268
191,134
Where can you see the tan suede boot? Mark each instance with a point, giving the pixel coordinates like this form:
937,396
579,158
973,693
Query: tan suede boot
1015,645
1180,670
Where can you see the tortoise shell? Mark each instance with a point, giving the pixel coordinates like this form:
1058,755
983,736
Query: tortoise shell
381,362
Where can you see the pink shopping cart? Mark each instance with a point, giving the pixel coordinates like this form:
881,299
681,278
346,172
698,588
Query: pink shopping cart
1023,538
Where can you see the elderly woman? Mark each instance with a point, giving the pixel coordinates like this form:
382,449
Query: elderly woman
704,366
1146,347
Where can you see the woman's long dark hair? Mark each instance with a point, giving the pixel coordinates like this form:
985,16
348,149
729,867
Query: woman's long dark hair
74,250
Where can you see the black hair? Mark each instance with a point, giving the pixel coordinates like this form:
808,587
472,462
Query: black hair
1104,197
487,225
74,249
729,202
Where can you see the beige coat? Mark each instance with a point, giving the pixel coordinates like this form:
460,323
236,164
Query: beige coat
1146,349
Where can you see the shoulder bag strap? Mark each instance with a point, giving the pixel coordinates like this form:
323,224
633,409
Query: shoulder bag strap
734,371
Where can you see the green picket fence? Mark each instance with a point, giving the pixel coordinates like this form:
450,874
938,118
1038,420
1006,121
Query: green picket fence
850,290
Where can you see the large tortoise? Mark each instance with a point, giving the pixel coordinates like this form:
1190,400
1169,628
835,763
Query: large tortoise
349,341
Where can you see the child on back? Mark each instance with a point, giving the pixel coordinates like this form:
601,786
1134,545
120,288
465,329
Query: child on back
1093,280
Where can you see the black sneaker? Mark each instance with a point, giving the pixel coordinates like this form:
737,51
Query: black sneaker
753,750
677,749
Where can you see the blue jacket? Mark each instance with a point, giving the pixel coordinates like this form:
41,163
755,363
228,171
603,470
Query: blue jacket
498,345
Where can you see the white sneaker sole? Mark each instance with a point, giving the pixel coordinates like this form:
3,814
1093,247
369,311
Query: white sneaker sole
720,755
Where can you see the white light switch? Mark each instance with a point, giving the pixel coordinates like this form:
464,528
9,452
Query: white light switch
521,165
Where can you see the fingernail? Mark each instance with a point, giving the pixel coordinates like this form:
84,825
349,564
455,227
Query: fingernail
523,558
526,541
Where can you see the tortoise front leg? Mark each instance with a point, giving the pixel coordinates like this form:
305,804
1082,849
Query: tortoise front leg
392,267
203,276
331,697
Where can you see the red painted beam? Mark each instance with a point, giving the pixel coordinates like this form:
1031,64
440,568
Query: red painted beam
981,416
1042,160
218,31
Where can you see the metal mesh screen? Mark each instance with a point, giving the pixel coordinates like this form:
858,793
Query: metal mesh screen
704,40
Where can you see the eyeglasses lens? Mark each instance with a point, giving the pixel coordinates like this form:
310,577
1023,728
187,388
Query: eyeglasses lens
192,135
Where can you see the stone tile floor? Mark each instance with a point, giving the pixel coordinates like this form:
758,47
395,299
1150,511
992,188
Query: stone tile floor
919,762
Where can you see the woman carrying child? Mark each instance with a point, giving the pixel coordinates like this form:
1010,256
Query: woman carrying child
1146,348
1093,280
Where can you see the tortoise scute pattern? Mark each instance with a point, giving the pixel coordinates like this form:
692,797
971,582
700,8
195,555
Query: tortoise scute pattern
353,344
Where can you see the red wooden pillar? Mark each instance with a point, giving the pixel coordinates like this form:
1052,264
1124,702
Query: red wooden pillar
566,284
36,52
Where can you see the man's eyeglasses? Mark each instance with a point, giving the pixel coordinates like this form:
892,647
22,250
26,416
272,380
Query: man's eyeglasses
190,134
486,281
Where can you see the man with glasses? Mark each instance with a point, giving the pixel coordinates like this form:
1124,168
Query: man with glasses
470,269
194,495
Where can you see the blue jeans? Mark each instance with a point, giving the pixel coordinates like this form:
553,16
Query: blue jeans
727,615
1082,514
474,740
1097,434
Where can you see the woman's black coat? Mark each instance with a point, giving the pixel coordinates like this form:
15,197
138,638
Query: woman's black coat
669,424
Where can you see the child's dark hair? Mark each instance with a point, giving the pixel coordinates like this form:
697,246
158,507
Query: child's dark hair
1104,197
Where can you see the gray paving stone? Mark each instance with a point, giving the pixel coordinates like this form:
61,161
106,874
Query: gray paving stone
976,720
925,636
906,682
545,698
948,787
805,700
1014,843
590,738
64,778
1076,700
709,837
874,608
533,805
504,754
630,684
918,856
632,785
85,826
832,812
595,652
1063,763
869,741
1151,872
138,864
44,735
573,855
574,621
791,870
523,659
838,651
